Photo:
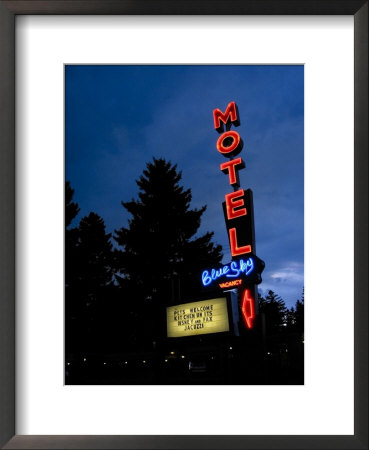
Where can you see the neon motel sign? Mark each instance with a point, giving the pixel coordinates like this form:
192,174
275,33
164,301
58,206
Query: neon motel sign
238,214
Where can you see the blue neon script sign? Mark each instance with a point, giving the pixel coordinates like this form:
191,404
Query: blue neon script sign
232,270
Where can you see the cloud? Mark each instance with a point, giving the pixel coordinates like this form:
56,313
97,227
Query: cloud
292,273
286,279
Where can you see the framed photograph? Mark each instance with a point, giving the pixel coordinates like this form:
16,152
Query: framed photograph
114,330
172,259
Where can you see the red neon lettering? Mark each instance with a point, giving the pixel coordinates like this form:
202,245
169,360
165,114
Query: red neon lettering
235,250
234,148
231,114
247,308
230,168
232,203
228,284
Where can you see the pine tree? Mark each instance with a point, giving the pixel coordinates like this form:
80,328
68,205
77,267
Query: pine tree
94,253
291,319
71,208
71,235
89,289
299,314
275,312
295,317
161,252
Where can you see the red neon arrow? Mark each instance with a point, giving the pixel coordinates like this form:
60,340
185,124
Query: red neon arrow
247,308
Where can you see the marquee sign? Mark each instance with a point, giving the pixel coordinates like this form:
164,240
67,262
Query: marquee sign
203,317
244,271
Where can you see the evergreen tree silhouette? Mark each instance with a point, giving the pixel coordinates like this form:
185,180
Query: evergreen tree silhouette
275,312
295,316
94,253
291,319
71,269
71,235
87,288
161,254
71,208
299,314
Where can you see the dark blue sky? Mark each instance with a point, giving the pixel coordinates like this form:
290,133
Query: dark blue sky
119,117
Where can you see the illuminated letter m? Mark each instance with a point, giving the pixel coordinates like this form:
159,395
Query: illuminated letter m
230,116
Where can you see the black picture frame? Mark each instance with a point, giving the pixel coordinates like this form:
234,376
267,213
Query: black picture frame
8,11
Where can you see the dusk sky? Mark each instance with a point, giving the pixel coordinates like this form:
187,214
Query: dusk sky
119,117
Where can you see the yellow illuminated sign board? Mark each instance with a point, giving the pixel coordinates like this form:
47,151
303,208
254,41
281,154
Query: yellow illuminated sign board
203,317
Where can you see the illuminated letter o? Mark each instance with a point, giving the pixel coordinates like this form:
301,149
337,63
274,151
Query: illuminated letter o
233,148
